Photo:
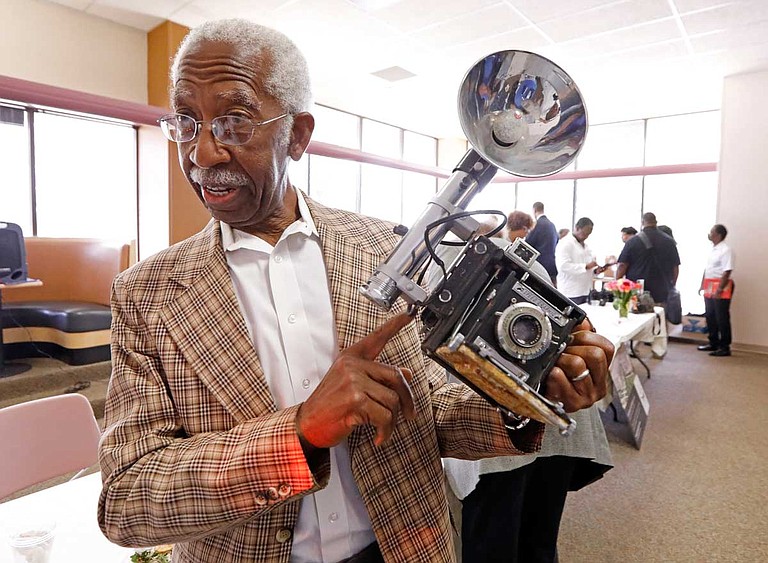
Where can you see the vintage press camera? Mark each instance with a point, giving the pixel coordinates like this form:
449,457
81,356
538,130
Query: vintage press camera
492,320
498,325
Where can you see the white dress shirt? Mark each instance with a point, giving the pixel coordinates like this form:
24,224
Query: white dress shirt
284,296
571,259
720,261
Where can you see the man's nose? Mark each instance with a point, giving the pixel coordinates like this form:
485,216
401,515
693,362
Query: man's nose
207,151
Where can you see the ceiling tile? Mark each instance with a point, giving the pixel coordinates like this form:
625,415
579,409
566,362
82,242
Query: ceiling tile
406,17
481,24
723,17
685,6
540,10
744,36
605,18
525,39
624,39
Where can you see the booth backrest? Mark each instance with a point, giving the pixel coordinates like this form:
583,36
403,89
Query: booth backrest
72,269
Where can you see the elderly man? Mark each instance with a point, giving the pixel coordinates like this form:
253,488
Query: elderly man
249,417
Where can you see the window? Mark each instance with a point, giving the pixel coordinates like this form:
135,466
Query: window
15,189
614,145
334,182
85,178
611,203
381,192
683,139
556,195
336,127
381,139
687,204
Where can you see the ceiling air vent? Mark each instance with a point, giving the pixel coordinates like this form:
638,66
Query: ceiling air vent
393,73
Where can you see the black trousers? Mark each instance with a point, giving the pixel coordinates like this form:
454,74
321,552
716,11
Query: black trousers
514,516
718,313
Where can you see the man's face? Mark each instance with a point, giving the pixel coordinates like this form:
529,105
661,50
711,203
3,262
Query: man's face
243,185
582,233
713,236
625,237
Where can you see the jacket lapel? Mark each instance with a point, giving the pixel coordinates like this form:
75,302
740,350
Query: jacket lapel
205,322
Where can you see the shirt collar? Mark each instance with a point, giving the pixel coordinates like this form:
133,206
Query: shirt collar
233,239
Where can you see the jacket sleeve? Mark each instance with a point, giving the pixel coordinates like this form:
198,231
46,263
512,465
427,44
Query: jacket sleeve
161,485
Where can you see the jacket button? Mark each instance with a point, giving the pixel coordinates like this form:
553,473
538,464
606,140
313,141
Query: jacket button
284,490
260,499
272,493
283,535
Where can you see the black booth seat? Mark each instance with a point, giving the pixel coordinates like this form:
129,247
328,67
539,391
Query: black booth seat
73,331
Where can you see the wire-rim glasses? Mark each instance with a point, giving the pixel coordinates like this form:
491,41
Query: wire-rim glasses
231,130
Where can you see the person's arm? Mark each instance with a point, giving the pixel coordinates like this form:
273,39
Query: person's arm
724,279
675,274
621,270
162,484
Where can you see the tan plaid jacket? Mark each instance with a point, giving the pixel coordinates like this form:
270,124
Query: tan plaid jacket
195,452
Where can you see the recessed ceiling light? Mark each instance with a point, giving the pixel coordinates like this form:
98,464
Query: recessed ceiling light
393,73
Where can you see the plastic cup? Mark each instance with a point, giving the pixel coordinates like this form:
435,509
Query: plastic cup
32,541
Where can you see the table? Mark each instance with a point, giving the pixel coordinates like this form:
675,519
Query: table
73,505
8,369
625,392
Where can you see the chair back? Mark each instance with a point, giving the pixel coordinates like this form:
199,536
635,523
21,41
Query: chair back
46,438
13,259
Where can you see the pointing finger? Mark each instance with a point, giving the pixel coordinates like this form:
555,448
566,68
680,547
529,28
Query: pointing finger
370,346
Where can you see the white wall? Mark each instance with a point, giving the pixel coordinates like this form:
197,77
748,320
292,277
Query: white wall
743,202
51,44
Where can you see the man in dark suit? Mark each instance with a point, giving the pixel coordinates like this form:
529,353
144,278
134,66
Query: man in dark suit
543,237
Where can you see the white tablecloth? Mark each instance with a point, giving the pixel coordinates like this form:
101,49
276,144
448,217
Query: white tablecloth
643,327
72,504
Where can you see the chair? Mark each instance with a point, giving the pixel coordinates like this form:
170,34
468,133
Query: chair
13,260
46,438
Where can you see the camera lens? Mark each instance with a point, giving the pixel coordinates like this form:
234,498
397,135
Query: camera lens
525,330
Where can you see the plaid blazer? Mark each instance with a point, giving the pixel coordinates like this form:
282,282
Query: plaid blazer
195,452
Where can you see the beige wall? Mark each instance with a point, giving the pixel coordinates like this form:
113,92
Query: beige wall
743,202
51,44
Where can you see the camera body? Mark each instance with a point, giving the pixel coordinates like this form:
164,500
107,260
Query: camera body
602,296
493,306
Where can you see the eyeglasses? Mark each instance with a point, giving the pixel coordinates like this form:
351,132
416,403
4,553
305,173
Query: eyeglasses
228,129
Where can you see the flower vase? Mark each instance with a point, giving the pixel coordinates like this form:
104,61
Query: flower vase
623,311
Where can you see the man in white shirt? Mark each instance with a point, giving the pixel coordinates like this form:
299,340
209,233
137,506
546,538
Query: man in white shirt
717,286
575,262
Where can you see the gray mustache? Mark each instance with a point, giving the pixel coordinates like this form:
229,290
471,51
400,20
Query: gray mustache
213,177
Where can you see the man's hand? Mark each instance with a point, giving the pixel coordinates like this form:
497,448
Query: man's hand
357,390
586,360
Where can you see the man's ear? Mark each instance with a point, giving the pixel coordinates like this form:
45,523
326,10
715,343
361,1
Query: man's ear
303,125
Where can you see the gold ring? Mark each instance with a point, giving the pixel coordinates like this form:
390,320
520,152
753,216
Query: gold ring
583,375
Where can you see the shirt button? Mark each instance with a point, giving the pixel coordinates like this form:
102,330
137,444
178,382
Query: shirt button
305,383
283,535
278,258
333,516
291,318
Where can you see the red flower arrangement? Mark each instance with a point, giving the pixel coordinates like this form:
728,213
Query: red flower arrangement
623,290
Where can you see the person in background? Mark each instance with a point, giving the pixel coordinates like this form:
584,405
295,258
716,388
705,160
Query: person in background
260,408
519,224
543,237
667,231
717,288
576,265
651,256
511,507
627,233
